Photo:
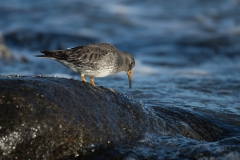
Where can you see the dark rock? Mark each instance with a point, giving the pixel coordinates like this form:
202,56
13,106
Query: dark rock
193,125
54,117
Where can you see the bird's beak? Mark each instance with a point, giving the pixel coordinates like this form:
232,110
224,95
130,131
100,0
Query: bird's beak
129,73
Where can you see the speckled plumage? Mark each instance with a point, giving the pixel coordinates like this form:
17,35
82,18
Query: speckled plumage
93,60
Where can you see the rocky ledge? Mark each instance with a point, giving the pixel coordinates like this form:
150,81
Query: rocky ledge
51,118
58,118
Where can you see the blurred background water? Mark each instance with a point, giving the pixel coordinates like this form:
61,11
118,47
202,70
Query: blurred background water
186,53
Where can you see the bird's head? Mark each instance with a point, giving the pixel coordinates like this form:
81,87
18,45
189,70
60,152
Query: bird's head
129,64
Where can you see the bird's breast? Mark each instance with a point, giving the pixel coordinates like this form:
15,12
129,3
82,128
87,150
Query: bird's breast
98,73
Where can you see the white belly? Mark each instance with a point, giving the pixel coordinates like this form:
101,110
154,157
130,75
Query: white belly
97,73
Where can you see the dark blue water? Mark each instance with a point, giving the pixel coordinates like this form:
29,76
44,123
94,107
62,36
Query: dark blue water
186,52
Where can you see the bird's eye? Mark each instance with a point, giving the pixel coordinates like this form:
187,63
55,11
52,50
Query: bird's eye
131,64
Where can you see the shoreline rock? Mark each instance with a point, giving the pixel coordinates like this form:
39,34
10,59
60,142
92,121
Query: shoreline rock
57,118
43,117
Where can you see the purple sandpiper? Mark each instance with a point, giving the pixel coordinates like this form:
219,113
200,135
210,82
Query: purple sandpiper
94,60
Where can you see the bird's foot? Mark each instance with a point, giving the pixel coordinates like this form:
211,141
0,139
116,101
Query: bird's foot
82,77
92,81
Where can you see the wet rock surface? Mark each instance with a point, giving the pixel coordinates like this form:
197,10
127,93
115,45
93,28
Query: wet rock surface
57,118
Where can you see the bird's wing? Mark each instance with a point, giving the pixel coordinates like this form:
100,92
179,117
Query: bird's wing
89,53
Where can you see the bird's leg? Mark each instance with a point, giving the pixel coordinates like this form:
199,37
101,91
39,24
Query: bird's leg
82,77
92,81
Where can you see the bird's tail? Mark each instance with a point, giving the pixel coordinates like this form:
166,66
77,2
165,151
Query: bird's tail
41,56
47,53
53,54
